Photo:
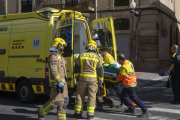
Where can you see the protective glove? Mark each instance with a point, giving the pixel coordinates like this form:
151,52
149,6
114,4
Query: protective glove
61,84
166,73
100,84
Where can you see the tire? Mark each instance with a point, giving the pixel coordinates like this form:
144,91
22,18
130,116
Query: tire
101,106
25,92
111,105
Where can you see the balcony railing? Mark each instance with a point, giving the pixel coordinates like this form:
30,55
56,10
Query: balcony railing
82,4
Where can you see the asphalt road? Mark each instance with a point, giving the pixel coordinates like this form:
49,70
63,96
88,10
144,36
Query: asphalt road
152,92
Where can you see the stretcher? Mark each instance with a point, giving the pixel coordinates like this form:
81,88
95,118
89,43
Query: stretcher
104,93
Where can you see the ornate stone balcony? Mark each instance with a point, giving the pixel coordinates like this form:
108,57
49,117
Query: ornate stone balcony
82,6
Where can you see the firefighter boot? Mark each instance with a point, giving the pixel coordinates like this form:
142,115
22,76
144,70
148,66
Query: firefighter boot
144,114
79,116
90,117
40,117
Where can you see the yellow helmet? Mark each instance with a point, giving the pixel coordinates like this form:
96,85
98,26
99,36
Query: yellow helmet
58,43
91,45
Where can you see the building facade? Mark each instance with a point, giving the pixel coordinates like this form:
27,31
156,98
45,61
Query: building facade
148,46
16,6
157,30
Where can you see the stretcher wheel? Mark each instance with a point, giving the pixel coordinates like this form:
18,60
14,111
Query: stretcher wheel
111,105
100,106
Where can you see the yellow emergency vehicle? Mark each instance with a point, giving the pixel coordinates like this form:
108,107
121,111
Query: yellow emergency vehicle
25,41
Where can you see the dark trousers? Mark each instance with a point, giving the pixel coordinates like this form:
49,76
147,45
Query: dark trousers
175,81
132,94
118,90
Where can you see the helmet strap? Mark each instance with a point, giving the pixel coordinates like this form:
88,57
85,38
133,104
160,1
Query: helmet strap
59,46
60,51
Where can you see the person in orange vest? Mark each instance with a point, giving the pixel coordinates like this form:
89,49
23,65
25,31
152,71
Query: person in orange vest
128,77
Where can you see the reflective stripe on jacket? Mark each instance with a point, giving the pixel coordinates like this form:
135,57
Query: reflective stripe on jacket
57,69
108,59
127,74
89,67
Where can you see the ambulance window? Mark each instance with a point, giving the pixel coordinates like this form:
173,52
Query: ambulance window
103,25
98,26
66,34
54,27
80,37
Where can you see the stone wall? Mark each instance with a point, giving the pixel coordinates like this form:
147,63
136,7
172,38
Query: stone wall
2,6
12,6
148,39
154,49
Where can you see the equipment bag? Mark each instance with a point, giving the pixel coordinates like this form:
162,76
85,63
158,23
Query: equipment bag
168,83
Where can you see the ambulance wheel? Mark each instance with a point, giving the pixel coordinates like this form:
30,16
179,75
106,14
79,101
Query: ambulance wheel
111,105
25,92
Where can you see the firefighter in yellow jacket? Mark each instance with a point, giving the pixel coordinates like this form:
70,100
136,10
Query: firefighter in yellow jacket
89,71
57,81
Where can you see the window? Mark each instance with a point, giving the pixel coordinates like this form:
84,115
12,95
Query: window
26,6
71,3
105,37
121,2
66,34
122,24
54,27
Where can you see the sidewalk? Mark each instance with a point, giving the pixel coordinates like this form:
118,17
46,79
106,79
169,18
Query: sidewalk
149,74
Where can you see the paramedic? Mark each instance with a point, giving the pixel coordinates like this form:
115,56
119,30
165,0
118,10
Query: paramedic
128,77
89,71
107,58
59,92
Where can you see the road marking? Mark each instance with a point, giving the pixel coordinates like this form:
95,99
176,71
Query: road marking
160,118
96,118
164,110
159,78
168,104
155,79
159,85
150,117
125,115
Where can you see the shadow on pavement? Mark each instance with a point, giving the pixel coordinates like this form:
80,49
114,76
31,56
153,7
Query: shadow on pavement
15,117
29,111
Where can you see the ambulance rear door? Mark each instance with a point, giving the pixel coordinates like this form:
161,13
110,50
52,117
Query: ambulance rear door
104,27
65,30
